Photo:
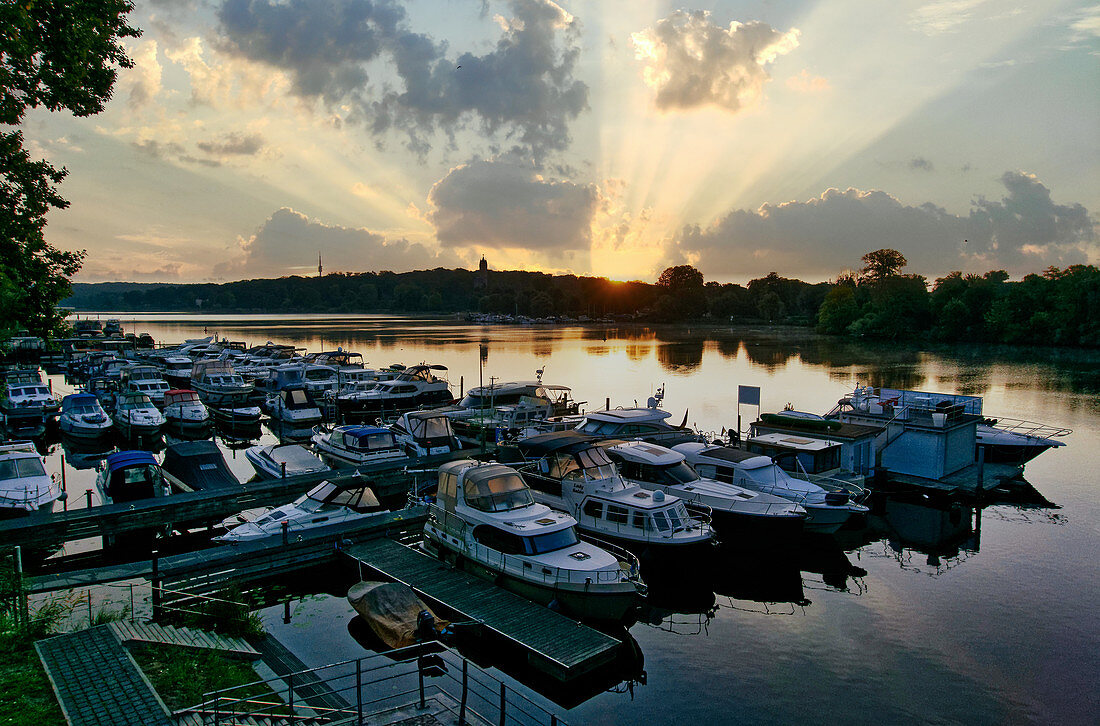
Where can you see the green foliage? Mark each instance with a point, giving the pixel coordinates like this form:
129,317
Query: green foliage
60,55
182,676
898,309
838,310
680,277
881,264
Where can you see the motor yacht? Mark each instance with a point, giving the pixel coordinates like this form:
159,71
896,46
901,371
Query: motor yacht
425,433
25,487
327,503
28,401
177,371
486,520
638,424
218,385
357,445
185,412
415,387
148,380
82,417
281,460
135,415
735,510
827,509
294,406
570,471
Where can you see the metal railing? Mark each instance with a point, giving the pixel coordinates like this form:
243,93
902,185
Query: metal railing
375,684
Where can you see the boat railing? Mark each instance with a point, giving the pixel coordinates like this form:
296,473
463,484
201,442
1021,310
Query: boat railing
377,687
1027,428
832,484
629,563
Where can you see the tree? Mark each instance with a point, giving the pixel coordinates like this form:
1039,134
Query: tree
680,277
59,55
880,264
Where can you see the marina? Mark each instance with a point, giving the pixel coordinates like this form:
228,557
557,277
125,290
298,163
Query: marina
946,520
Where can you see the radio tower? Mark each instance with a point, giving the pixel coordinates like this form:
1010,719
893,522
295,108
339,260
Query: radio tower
319,268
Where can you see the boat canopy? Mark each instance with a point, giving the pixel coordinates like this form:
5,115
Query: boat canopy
199,464
294,456
124,459
296,398
420,373
76,401
364,438
354,495
180,395
556,441
426,425
495,488
133,399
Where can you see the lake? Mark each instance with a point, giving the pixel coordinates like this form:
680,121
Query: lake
928,613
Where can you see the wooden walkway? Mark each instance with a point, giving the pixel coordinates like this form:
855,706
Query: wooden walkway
560,646
133,632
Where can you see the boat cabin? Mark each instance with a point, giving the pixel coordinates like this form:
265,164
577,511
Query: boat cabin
181,396
131,475
486,488
426,433
797,453
362,439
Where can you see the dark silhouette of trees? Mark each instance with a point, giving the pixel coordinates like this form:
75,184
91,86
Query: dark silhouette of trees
880,264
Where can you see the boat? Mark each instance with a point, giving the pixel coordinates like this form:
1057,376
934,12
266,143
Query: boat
177,371
184,411
425,433
25,487
570,471
505,411
357,445
27,400
413,388
135,415
82,417
219,386
638,424
1013,441
827,509
735,510
325,504
237,417
130,475
486,520
294,406
276,461
146,379
395,614
192,466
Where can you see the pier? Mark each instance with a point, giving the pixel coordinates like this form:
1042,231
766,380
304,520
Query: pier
555,644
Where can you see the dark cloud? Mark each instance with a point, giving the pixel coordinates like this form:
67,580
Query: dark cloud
160,150
524,89
692,62
288,242
233,144
919,163
1023,232
506,204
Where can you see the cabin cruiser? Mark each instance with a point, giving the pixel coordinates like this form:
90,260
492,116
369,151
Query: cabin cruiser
25,487
284,375
130,475
638,424
357,445
413,388
1012,441
147,380
177,370
557,398
327,503
504,411
184,411
192,466
294,406
219,386
570,471
827,509
105,389
338,359
83,417
734,509
135,415
486,520
425,433
28,401
281,460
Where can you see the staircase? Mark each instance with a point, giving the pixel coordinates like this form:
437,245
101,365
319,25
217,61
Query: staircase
132,632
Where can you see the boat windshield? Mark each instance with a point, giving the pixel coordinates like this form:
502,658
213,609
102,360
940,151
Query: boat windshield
19,468
679,473
550,541
430,428
496,492
598,428
591,464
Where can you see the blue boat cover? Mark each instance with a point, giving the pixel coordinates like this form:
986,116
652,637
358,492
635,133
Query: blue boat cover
122,459
361,431
78,399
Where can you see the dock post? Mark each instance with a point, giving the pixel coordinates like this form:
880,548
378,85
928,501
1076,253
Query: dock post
283,465
462,703
978,490
24,607
503,712
420,677
286,536
88,498
359,691
154,580
607,404
461,386
290,692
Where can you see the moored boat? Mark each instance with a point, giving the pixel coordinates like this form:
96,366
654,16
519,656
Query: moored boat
25,487
82,417
135,415
357,445
185,412
280,460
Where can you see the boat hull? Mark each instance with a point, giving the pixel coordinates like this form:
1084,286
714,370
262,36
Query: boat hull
747,529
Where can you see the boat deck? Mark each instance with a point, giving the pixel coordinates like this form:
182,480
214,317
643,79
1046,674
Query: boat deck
559,645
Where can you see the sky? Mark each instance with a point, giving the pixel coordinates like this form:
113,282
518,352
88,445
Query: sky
609,137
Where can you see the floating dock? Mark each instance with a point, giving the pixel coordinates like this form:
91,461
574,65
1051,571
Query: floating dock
554,643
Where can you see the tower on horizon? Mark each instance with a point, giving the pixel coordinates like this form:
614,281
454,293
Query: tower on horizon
320,269
482,279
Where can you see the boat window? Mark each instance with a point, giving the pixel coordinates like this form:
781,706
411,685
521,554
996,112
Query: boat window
616,514
593,508
297,398
493,538
677,515
723,474
550,542
436,427
273,516
8,469
662,523
374,442
498,493
448,485
560,465
639,520
680,473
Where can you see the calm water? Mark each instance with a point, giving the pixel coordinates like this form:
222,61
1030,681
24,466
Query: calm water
931,615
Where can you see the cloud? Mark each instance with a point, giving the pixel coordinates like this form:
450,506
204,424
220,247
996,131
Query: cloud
919,163
507,204
691,62
523,89
288,243
1023,232
806,83
233,144
943,16
141,83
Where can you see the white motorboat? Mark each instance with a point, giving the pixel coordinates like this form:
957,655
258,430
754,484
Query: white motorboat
357,445
281,460
486,520
147,380
130,475
218,385
572,472
135,415
177,371
327,503
736,510
826,509
25,487
638,424
1011,441
425,433
28,399
82,417
185,411
294,406
415,387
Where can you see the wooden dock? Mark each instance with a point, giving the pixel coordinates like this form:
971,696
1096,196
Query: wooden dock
554,643
971,482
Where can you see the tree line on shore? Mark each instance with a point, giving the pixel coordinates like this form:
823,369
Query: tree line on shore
1058,307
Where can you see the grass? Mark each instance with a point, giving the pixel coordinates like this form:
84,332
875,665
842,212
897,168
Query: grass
182,675
26,698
